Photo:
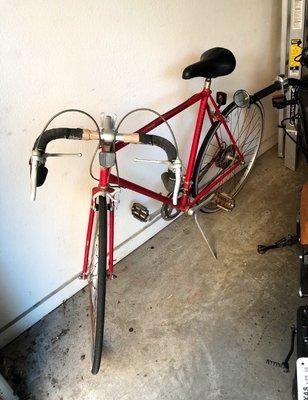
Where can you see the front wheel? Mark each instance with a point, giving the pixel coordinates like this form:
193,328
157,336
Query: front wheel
218,152
97,283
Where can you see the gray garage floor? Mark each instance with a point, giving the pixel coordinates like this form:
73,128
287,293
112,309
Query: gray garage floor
202,329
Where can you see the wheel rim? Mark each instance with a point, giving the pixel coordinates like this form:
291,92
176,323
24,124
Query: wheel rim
246,125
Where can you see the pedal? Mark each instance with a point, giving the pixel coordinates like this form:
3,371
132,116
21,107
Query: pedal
224,201
140,212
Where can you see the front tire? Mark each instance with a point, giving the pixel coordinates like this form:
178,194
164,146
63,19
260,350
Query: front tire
217,152
97,284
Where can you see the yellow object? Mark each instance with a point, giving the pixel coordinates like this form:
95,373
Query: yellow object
295,50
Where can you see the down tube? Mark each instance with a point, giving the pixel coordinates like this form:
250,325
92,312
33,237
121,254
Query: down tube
140,189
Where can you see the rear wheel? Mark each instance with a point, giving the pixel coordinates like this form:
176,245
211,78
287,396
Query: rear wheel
294,388
97,284
217,152
302,135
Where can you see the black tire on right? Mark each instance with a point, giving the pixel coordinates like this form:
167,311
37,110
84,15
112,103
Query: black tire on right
302,126
294,388
98,334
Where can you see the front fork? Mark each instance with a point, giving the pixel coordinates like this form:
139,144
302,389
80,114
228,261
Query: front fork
107,159
85,267
111,240
92,230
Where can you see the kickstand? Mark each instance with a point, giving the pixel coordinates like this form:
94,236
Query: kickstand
288,240
204,237
285,363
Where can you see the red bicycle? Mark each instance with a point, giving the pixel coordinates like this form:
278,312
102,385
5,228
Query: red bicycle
216,170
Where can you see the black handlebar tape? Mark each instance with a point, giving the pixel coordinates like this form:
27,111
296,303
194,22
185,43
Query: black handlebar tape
161,142
56,133
265,92
298,82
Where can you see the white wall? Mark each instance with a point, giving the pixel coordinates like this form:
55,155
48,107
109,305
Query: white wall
101,56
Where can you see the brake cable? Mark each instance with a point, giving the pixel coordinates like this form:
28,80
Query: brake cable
117,129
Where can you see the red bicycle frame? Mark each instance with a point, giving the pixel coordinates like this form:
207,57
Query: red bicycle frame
185,201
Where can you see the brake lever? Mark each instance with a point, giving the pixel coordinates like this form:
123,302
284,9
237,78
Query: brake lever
144,160
34,160
46,155
176,167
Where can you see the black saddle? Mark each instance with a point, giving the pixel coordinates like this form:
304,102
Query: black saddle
214,62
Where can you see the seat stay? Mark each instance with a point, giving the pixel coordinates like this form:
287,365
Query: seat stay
222,119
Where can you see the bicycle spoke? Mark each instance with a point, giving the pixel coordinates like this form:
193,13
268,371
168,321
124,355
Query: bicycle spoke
245,126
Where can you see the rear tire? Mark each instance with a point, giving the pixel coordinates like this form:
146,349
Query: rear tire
217,152
294,388
97,285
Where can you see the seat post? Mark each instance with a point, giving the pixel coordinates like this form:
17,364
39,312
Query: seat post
207,83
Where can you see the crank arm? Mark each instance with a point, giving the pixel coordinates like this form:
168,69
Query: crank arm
154,215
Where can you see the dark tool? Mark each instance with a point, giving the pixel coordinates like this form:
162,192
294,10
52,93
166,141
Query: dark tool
288,240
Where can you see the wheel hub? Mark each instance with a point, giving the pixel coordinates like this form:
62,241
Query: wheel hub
225,157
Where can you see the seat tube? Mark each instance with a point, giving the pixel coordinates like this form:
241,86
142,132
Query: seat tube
196,139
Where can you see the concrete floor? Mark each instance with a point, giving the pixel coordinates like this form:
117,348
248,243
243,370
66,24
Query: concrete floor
202,329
